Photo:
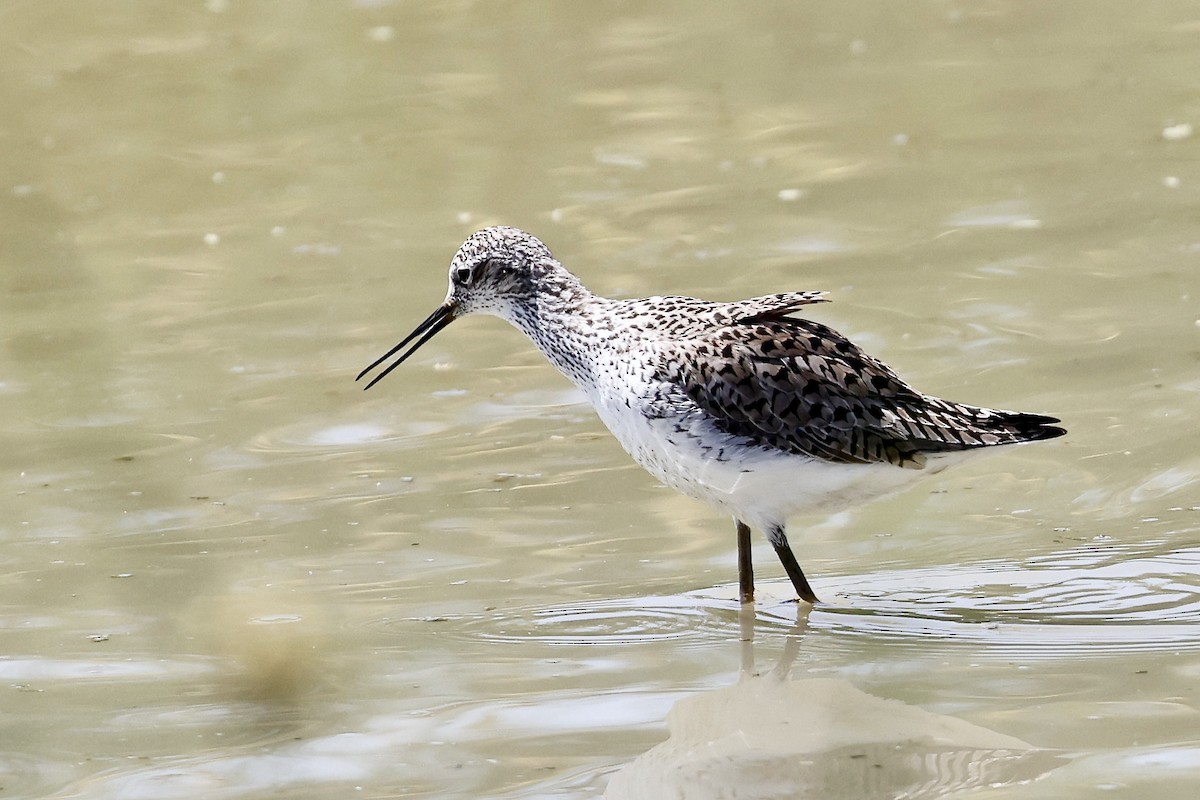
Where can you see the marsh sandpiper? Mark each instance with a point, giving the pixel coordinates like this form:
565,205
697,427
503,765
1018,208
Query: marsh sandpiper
760,412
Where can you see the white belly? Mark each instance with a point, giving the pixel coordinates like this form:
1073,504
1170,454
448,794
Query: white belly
760,486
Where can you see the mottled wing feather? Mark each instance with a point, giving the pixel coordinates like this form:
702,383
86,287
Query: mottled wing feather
801,387
686,318
769,306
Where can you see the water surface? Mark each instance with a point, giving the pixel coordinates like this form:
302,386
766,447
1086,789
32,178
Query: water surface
226,572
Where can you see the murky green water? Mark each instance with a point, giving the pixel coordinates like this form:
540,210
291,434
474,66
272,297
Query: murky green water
226,572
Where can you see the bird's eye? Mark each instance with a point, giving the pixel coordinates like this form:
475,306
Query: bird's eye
480,271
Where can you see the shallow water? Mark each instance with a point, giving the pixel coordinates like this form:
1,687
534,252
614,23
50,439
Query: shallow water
227,572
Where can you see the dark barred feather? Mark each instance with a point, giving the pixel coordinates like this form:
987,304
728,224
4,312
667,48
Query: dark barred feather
803,388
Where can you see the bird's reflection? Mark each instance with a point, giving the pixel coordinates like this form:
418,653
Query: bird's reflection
768,736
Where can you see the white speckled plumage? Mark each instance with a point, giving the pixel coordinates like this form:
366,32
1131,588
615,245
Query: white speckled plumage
744,405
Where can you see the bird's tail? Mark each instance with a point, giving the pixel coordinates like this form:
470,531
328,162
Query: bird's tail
957,426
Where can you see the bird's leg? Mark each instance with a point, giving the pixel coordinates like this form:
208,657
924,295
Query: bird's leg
745,567
782,549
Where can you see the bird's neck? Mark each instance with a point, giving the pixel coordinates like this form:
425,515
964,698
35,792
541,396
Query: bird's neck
569,325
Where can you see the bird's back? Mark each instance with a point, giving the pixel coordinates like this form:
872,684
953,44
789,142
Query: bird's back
802,388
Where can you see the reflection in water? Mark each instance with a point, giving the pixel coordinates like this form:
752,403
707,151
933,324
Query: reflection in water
768,736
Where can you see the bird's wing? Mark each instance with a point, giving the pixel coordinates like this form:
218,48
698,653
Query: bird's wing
686,318
768,306
801,387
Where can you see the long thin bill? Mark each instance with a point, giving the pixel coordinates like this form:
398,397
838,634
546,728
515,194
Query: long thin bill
442,316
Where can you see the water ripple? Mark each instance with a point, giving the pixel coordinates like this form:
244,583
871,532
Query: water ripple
1065,606
22,775
318,435
623,621
1085,604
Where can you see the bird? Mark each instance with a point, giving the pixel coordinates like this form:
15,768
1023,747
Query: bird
760,412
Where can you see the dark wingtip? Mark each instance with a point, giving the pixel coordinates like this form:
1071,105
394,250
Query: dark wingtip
1048,432
1036,427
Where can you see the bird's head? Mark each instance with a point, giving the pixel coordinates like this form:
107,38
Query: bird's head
498,271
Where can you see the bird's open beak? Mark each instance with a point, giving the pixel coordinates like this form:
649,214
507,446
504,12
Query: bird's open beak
440,318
